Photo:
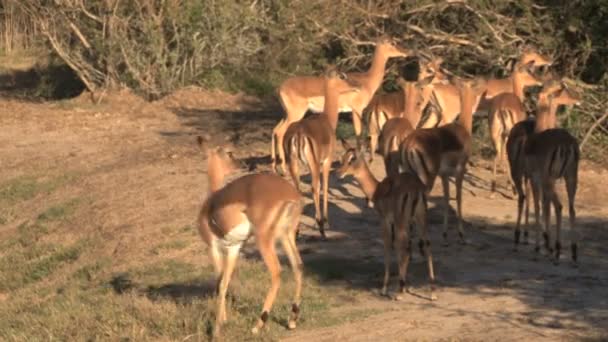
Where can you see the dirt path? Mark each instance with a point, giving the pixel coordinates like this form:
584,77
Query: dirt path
138,163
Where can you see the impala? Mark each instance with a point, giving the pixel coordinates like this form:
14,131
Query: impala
398,128
507,109
384,107
231,214
445,150
540,154
301,93
312,141
398,199
447,100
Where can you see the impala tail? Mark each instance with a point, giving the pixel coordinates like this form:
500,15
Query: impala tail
563,158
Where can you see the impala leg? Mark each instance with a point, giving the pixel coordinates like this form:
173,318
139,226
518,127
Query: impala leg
273,142
459,180
295,172
551,196
527,210
386,236
267,249
422,224
521,198
446,202
229,264
546,196
571,187
357,127
373,132
536,200
403,244
289,245
326,169
498,148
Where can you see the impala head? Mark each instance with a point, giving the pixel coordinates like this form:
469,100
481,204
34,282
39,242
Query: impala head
219,157
432,67
340,81
351,161
565,96
389,48
525,74
530,54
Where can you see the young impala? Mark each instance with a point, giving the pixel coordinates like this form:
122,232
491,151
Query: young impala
398,199
301,93
312,141
231,214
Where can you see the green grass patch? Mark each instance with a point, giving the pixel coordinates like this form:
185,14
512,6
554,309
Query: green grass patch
167,300
60,211
345,130
27,187
29,265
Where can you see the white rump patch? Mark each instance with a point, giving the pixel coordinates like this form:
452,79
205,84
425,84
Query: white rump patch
237,235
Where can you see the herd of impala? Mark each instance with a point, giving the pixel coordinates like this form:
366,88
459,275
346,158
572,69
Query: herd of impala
416,148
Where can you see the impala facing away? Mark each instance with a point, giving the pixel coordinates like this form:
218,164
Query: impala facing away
301,93
396,129
398,199
445,150
312,140
540,154
507,109
231,214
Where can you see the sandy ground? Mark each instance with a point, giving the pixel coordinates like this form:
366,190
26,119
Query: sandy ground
139,162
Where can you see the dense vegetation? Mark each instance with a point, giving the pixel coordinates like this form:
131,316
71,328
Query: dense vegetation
157,46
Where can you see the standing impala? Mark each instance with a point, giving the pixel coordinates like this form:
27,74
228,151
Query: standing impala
301,93
312,140
231,214
384,107
507,109
445,150
398,199
398,128
540,154
447,100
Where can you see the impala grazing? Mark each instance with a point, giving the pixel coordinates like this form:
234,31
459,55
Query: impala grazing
399,200
301,93
445,150
312,141
232,213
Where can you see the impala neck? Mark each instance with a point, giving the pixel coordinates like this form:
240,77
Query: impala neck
367,181
518,88
375,73
546,116
215,174
466,115
330,107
